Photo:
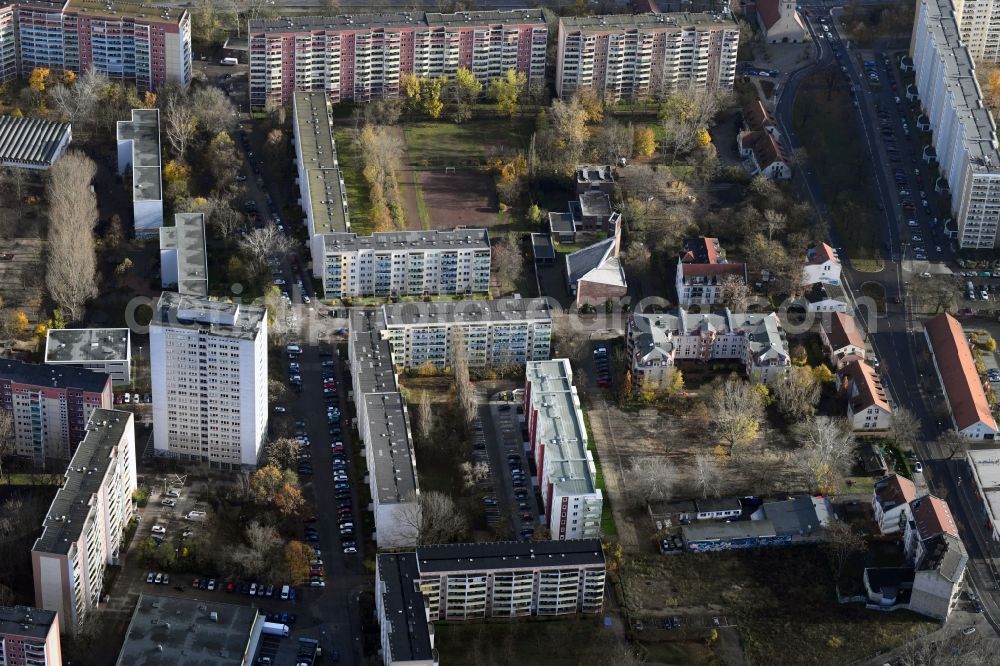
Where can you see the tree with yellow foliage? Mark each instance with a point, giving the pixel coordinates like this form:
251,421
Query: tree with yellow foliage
297,558
17,323
507,91
702,137
38,80
68,77
644,143
823,374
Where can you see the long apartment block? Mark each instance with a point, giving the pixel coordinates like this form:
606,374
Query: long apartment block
139,157
477,581
129,41
558,438
208,361
655,342
964,134
83,528
507,331
361,57
979,26
383,424
625,56
29,637
406,263
50,406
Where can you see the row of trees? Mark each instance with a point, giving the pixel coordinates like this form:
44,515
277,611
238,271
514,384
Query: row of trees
381,151
71,268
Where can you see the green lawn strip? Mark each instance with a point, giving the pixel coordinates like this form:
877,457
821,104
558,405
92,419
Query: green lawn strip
435,144
418,192
357,189
23,479
608,527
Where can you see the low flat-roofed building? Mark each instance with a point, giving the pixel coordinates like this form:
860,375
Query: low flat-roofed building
542,249
984,466
29,637
801,518
31,143
104,350
595,178
184,255
718,508
173,631
86,521
707,537
139,155
407,637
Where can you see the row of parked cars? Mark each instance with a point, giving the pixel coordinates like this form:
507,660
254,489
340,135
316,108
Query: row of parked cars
132,398
603,366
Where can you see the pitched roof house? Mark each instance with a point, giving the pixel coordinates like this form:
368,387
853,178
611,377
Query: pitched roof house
780,22
891,502
701,269
868,406
763,154
841,339
956,369
595,274
822,266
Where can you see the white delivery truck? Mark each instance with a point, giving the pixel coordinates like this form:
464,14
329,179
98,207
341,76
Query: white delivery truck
275,629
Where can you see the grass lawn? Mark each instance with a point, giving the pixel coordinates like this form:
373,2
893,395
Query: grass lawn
824,119
435,144
782,600
357,188
578,641
23,479
608,527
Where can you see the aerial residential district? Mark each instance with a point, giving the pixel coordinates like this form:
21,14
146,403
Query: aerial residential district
586,333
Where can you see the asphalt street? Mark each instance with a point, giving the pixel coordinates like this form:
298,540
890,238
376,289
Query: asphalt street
895,336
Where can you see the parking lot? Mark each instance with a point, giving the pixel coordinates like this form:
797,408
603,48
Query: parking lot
516,499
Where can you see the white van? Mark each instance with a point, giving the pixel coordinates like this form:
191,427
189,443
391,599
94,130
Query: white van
284,593
229,62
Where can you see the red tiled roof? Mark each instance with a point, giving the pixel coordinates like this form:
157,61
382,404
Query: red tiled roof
933,517
869,386
822,254
765,147
704,246
769,12
713,270
894,490
958,372
756,116
843,331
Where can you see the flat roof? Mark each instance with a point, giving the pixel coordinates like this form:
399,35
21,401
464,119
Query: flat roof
82,345
562,222
610,22
196,313
173,631
802,515
594,173
409,634
144,133
959,77
395,472
371,360
67,515
26,621
361,21
456,239
324,182
65,376
501,555
717,531
560,426
595,203
985,464
30,140
119,9
541,245
187,238
461,312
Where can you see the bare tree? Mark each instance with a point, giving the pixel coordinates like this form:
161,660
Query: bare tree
425,417
737,412
685,117
774,221
474,473
213,110
277,391
952,442
283,452
435,518
840,541
904,428
798,395
261,243
827,447
80,103
463,384
736,293
256,557
651,479
706,474
179,123
71,275
508,262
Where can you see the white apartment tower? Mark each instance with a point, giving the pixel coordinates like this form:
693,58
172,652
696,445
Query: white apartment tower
209,369
979,25
645,55
405,263
965,141
83,528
